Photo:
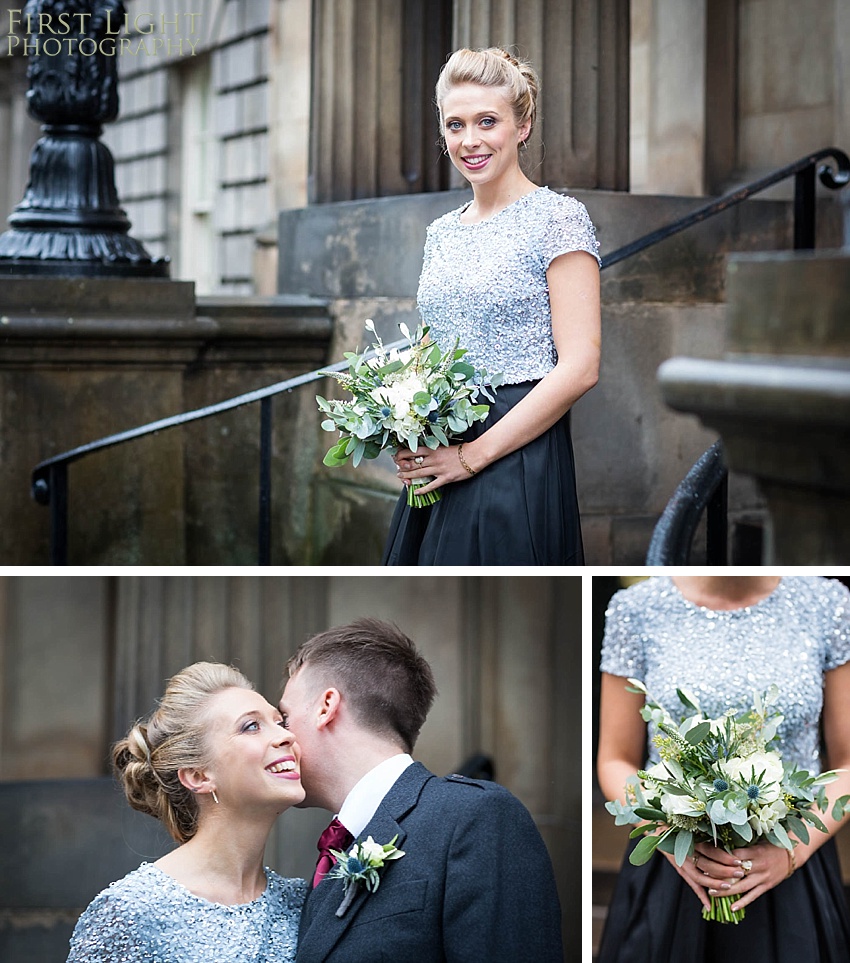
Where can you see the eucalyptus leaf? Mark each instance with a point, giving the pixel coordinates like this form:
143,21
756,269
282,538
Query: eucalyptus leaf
745,831
698,733
683,846
642,853
646,812
798,828
688,701
815,820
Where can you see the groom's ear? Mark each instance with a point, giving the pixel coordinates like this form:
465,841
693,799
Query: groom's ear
329,703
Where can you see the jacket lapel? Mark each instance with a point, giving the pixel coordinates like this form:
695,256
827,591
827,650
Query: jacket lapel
324,928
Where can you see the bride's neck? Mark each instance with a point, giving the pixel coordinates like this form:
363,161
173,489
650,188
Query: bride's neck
223,862
726,591
489,199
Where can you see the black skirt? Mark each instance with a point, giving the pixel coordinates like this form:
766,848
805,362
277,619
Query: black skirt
655,917
521,510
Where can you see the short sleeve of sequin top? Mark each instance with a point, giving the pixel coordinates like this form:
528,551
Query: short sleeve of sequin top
836,628
622,645
568,228
485,284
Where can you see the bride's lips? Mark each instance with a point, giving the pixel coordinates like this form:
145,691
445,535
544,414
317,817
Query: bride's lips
475,162
285,768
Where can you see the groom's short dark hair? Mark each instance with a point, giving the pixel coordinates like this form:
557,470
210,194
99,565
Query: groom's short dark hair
378,669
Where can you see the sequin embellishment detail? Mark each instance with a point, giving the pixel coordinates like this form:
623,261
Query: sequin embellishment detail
485,283
653,633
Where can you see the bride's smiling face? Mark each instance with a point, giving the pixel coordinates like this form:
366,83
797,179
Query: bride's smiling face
254,758
481,134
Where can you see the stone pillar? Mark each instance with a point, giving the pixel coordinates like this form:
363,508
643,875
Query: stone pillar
289,124
781,397
669,92
374,129
580,48
163,623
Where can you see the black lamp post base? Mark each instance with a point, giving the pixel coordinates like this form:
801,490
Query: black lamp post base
75,253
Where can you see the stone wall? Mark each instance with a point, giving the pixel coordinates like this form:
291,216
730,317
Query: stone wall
212,138
83,359
726,90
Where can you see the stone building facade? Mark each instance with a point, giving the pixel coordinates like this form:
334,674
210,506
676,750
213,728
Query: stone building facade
290,147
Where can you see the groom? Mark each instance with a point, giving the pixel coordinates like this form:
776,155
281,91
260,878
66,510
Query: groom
475,882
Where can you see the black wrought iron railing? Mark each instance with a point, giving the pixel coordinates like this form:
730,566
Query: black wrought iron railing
50,477
703,489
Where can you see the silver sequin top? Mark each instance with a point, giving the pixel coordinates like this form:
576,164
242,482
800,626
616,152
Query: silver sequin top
791,638
148,917
485,284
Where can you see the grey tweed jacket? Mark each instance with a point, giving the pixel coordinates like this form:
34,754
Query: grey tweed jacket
475,883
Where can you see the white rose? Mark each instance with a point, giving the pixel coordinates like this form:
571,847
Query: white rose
766,817
658,771
768,763
674,805
763,768
372,851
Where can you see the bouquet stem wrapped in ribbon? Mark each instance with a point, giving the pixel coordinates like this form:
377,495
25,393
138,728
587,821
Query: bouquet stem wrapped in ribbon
420,395
719,781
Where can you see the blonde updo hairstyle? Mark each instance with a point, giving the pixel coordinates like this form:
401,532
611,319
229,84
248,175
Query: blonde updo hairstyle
493,67
173,737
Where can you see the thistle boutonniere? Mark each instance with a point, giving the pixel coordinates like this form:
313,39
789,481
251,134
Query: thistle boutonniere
362,864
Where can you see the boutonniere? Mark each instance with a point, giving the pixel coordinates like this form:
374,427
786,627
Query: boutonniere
362,864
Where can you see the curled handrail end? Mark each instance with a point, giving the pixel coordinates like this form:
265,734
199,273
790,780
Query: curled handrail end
40,489
838,178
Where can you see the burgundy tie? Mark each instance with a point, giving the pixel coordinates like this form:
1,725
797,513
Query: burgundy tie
336,836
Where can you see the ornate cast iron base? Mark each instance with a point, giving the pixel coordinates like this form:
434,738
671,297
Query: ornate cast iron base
69,222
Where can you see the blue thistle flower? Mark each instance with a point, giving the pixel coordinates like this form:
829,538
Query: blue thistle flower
720,785
753,793
353,865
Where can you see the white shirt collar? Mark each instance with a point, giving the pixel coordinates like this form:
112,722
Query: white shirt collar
362,802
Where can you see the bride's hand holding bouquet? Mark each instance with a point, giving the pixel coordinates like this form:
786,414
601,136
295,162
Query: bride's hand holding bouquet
412,401
721,804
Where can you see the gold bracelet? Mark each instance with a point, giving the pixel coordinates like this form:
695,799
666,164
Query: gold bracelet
460,456
792,861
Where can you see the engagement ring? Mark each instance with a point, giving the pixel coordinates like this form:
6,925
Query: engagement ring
419,459
746,866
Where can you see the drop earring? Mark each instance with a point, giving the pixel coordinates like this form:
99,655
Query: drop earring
215,798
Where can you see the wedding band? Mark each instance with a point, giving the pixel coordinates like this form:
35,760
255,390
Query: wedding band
746,866
696,859
419,459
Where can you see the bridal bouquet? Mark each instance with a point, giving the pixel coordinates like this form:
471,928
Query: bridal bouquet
720,782
419,395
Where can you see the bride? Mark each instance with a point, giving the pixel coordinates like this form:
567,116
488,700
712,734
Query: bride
215,764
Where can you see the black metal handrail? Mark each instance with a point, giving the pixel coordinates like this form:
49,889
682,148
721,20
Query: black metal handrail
703,489
50,477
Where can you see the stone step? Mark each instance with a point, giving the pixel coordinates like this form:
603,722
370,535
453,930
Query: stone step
373,248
